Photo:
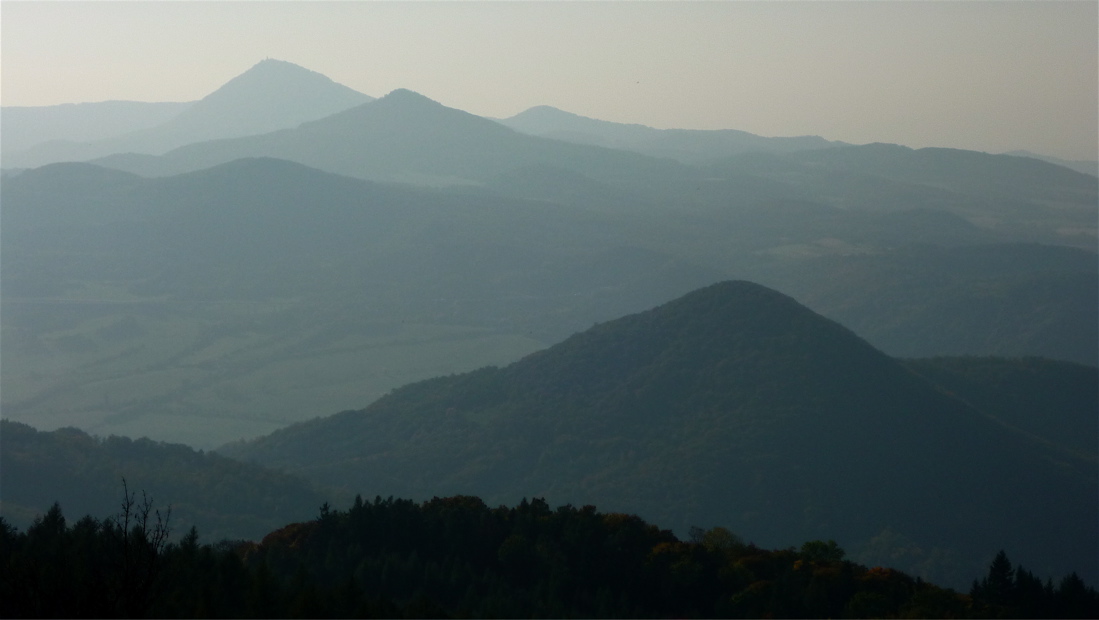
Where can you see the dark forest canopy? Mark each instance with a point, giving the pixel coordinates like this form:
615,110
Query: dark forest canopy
457,557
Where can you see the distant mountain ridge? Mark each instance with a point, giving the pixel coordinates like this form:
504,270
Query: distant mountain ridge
693,145
1080,165
731,405
404,137
23,127
271,95
686,145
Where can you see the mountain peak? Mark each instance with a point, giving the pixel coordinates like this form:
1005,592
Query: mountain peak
271,95
543,110
544,119
723,324
275,78
404,96
275,62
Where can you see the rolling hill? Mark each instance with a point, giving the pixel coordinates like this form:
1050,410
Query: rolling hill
732,405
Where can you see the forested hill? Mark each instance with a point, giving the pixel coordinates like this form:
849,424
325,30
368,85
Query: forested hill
223,498
732,405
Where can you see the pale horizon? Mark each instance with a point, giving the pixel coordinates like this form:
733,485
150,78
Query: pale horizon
987,76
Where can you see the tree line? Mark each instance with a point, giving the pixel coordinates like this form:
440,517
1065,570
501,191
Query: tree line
457,557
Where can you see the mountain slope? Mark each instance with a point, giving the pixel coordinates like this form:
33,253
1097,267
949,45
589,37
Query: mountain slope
732,405
1053,401
970,172
987,299
1015,198
271,95
1079,165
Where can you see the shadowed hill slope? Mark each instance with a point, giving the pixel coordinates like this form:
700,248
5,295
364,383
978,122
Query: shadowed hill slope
732,405
1051,400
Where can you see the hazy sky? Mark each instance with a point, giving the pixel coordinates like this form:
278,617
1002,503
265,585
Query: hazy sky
992,76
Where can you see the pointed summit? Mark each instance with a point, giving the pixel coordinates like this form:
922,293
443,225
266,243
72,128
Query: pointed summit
405,102
271,78
272,95
404,95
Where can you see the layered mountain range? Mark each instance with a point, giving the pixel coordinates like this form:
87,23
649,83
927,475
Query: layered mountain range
287,248
262,292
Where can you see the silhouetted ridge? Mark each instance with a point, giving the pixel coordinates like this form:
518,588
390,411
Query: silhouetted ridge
728,337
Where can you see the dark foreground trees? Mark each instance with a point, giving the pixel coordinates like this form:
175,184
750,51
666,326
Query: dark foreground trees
456,557
108,568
